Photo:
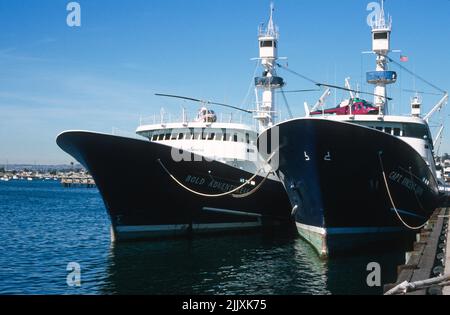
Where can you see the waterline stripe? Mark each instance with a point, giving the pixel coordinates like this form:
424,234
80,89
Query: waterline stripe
182,227
311,228
351,230
151,228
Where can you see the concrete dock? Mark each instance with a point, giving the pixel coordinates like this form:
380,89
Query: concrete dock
446,289
427,268
87,182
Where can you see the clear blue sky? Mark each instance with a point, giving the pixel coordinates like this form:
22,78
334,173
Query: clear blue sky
104,73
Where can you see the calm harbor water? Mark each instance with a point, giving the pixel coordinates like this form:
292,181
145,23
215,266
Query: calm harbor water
45,226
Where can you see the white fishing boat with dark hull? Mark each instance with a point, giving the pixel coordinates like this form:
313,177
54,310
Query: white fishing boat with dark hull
135,180
356,176
191,176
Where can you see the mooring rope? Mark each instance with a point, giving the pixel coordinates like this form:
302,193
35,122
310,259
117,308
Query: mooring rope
392,200
406,286
248,181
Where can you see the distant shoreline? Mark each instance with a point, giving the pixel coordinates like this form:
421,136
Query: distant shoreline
40,167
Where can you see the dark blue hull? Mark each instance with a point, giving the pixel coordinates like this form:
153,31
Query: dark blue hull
143,201
333,174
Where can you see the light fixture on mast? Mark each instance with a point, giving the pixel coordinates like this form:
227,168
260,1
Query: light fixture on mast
381,38
268,82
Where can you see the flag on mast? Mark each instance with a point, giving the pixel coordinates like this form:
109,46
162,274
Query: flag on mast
404,58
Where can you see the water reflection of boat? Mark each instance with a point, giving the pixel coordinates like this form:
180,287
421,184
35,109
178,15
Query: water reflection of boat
240,265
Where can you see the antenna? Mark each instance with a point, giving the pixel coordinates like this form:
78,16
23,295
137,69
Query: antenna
203,101
421,92
270,26
351,90
301,91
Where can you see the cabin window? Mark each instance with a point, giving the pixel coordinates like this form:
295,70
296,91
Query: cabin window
388,130
268,43
397,132
235,137
383,35
167,136
415,131
180,136
247,138
155,137
174,136
379,128
161,137
211,136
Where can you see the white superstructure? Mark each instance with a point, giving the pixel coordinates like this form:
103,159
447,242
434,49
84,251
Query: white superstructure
227,142
267,84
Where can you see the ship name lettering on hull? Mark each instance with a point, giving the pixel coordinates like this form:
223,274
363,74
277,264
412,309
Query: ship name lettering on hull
222,187
406,182
195,180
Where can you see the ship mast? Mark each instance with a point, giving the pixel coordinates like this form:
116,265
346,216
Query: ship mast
381,37
266,84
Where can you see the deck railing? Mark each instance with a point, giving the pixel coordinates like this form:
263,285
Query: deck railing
188,117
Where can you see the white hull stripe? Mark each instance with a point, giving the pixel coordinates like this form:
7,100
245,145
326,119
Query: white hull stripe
310,228
151,228
181,227
352,230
